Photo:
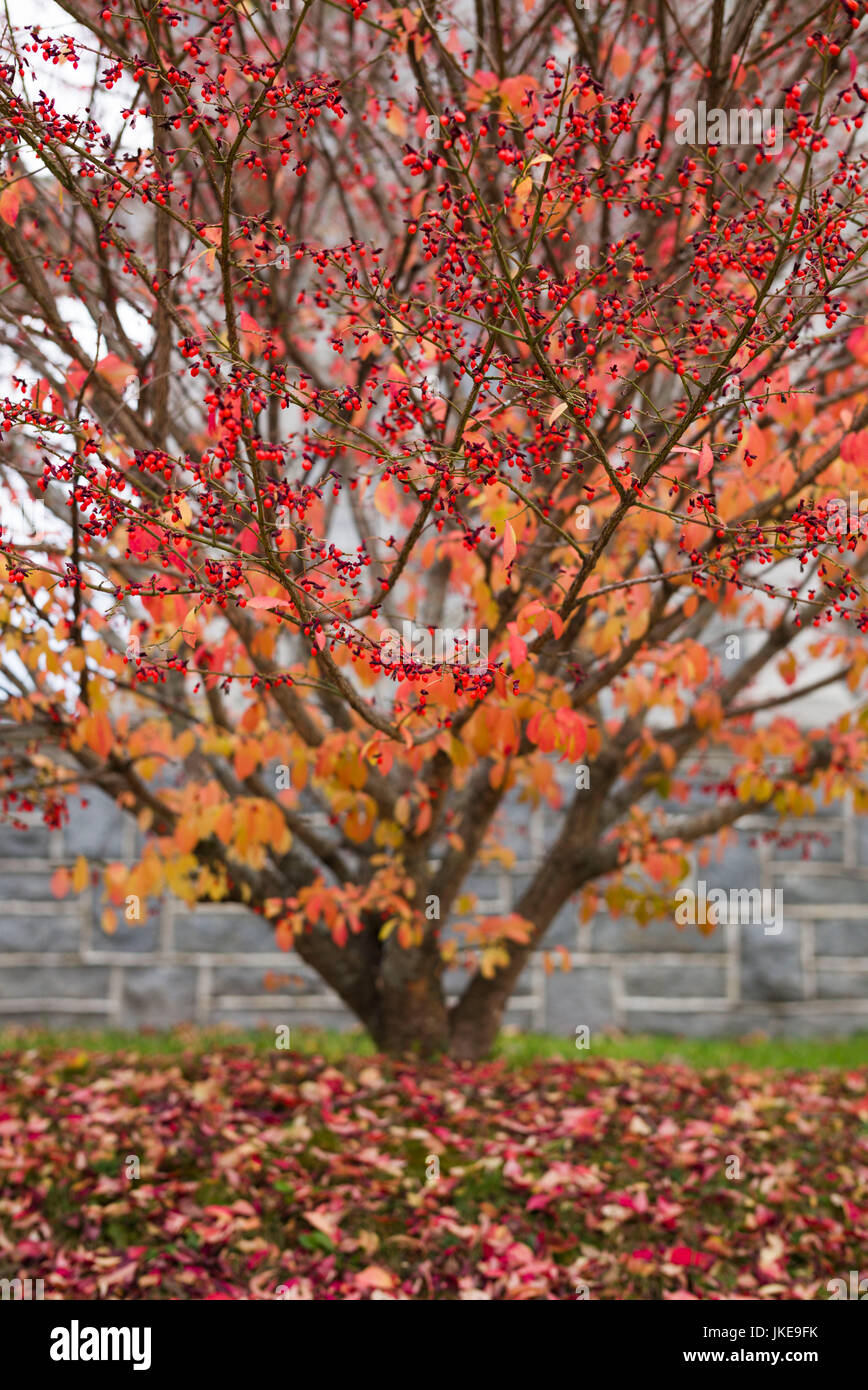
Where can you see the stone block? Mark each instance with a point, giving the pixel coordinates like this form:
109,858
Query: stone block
579,996
24,885
97,830
32,843
771,966
564,930
737,865
158,996
802,888
813,1022
294,979
675,982
843,984
685,1023
847,937
40,932
221,930
129,938
487,889
54,982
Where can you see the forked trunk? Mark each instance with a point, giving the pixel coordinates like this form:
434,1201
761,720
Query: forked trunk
476,1022
412,1019
411,1014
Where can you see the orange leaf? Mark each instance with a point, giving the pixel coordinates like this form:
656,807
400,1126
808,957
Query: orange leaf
60,881
98,733
375,1277
396,122
9,205
517,648
246,759
116,372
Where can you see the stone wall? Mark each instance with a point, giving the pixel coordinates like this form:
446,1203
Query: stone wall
58,967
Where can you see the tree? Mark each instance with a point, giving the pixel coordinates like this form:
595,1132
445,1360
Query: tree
415,396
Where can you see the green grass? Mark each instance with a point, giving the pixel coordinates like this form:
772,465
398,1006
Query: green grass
757,1050
520,1049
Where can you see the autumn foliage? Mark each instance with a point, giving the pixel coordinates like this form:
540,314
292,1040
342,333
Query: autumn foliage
292,1179
324,319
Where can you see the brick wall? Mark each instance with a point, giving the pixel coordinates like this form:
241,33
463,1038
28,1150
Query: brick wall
58,967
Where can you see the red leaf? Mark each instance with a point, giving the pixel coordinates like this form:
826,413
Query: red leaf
265,601
706,461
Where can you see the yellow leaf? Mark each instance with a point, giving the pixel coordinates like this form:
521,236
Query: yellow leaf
492,958
523,191
185,743
188,628
79,874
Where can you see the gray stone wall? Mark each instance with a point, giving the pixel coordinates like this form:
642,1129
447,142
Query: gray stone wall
59,968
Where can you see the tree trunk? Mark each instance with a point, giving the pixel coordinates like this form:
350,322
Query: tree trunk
412,1019
476,1023
411,1013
